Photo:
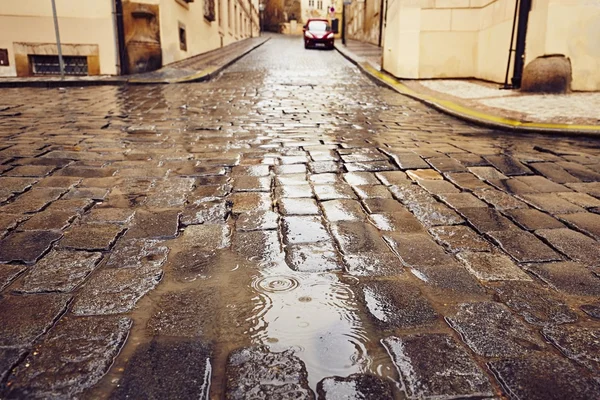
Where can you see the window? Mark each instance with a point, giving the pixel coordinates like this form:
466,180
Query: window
229,15
320,4
311,3
182,37
220,13
3,57
209,10
49,65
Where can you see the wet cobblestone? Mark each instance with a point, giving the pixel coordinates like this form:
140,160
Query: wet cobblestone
284,209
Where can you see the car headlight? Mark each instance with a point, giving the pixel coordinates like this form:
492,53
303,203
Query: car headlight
308,35
329,36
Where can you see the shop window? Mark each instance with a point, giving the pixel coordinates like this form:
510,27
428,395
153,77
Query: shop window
3,58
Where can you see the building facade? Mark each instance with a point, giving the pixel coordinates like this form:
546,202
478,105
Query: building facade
471,38
111,37
364,20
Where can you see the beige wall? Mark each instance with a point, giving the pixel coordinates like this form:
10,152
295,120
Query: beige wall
90,22
86,22
363,19
471,38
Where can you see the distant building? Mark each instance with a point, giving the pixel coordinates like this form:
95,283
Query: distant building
363,20
98,39
471,38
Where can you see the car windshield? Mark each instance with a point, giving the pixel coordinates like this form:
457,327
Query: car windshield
318,26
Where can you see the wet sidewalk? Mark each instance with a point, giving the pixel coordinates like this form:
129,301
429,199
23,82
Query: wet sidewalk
194,69
486,103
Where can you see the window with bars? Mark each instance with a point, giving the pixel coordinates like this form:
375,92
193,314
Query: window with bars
311,3
320,4
49,65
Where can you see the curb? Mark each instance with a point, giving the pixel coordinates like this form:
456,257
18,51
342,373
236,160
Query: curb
468,114
199,76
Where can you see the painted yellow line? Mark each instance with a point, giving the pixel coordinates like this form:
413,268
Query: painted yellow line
471,113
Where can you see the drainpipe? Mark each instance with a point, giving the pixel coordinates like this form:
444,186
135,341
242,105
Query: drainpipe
524,8
381,11
120,32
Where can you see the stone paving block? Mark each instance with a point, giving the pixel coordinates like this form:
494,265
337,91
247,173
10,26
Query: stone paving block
9,221
76,205
49,220
369,166
294,191
15,184
508,165
171,193
292,206
499,200
115,291
389,178
554,172
250,170
579,343
75,355
424,174
486,219
59,271
424,207
285,160
524,246
575,245
461,200
334,191
361,155
258,246
408,160
543,377
537,304
355,386
393,304
32,201
487,173
492,266
86,172
470,159
581,199
321,179
373,264
96,194
8,359
256,221
322,167
438,187
27,246
360,178
313,257
110,215
459,237
135,253
446,164
292,179
246,202
252,184
190,313
91,237
255,372
206,193
8,273
552,204
377,206
422,359
165,369
466,180
35,171
36,314
532,219
400,221
304,230
585,222
343,210
65,182
358,237
583,173
568,277
490,330
593,310
591,188
213,212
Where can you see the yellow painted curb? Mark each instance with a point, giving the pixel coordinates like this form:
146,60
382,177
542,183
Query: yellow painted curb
472,114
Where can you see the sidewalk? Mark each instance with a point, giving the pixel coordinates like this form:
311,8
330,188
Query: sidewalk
485,103
198,68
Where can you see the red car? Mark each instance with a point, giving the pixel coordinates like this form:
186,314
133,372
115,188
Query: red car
318,33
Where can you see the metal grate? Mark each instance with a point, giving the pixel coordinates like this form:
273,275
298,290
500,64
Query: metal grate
49,65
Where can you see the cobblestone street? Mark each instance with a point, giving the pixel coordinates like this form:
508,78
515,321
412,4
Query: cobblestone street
290,230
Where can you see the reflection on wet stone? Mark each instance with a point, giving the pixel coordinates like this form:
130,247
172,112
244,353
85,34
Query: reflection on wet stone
355,386
133,253
313,257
